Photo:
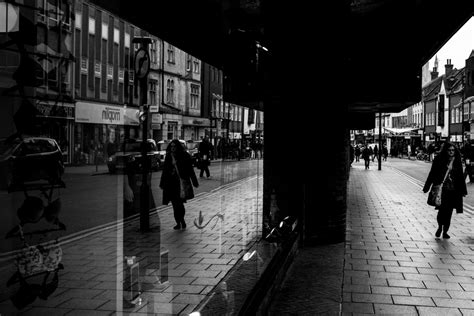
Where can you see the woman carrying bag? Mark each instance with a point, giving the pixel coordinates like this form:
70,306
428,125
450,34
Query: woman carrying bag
447,171
176,179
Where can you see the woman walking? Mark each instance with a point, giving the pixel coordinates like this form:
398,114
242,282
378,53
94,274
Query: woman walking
447,170
176,178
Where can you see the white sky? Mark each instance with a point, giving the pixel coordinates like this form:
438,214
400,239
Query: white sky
457,48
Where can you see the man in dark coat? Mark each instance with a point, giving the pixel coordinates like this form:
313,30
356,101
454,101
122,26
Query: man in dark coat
204,159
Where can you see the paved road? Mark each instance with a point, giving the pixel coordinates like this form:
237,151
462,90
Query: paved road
94,198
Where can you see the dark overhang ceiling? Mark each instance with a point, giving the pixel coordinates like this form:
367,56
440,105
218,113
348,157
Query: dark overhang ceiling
388,41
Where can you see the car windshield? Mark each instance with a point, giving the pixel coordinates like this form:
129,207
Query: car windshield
162,146
137,146
191,145
36,146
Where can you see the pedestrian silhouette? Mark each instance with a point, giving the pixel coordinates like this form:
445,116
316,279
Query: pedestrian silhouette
366,156
176,178
204,157
447,166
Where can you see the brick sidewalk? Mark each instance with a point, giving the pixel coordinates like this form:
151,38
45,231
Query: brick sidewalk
93,276
393,264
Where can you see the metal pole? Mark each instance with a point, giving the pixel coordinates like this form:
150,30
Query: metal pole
380,142
462,107
145,187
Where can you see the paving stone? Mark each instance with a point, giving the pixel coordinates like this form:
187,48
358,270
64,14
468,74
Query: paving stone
438,311
385,309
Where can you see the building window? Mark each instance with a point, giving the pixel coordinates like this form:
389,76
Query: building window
172,130
152,92
91,27
170,91
196,66
127,40
78,21
105,31
110,72
116,36
84,64
154,52
189,63
194,96
171,58
97,68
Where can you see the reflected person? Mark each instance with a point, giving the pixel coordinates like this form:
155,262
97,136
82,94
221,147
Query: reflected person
176,178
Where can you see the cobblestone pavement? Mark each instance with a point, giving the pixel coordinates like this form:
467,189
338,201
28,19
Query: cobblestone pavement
95,274
393,264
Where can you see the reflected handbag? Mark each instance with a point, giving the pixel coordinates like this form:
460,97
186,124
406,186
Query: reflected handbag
186,189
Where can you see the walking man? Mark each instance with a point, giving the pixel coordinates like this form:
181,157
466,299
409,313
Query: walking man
204,151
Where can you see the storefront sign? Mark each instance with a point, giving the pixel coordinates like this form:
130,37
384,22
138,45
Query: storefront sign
56,109
97,113
196,121
156,118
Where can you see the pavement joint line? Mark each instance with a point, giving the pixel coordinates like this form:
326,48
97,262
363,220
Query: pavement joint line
8,256
469,209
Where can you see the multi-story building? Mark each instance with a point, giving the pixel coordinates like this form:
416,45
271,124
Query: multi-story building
106,104
36,59
212,86
71,67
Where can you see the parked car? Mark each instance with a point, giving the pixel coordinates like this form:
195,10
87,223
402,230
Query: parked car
163,144
193,149
130,154
29,159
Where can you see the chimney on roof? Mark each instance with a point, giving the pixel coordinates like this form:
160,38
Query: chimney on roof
448,67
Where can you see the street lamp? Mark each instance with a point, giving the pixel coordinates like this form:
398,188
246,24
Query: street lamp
141,68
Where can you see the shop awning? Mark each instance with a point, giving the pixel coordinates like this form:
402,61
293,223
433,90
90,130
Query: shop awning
400,131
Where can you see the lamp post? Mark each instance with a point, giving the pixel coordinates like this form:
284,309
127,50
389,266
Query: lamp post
379,153
462,107
142,67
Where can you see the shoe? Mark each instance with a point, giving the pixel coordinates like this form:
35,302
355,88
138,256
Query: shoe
446,236
177,227
183,225
438,232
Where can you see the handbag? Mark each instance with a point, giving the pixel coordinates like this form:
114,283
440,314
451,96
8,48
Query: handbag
434,196
186,191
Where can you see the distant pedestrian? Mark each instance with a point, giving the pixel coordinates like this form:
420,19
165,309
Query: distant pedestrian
366,156
204,157
447,165
351,154
376,152
176,178
357,153
385,152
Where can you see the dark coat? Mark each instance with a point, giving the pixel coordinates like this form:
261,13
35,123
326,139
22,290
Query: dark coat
169,180
436,176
